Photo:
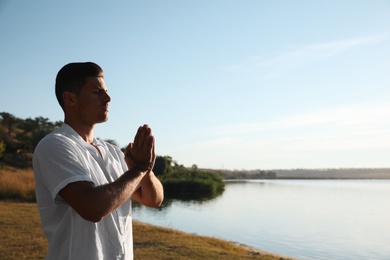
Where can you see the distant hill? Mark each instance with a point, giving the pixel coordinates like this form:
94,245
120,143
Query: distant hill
347,173
342,173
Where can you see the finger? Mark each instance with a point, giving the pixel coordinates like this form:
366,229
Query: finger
150,144
142,134
128,160
148,138
141,138
136,137
153,156
144,138
128,148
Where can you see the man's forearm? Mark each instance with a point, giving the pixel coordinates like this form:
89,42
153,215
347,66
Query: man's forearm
125,185
95,203
151,192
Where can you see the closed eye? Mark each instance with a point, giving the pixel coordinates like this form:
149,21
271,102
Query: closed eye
100,91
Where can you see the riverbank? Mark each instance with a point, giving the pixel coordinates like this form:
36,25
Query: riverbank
21,237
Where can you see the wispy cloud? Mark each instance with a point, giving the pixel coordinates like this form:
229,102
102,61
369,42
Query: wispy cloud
353,135
289,59
353,120
362,114
322,50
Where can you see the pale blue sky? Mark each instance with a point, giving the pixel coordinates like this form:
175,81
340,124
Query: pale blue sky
223,84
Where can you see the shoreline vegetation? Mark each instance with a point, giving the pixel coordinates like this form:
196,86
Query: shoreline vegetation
186,183
21,237
19,222
18,138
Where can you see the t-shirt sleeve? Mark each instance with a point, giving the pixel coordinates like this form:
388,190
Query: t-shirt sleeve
58,162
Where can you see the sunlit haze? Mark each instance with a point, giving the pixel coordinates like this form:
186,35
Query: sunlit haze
223,84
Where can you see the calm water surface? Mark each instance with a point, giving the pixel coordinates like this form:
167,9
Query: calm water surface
308,219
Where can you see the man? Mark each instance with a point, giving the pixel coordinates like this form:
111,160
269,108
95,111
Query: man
84,186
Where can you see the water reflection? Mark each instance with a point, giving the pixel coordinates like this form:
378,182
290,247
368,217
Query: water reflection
316,219
185,198
196,197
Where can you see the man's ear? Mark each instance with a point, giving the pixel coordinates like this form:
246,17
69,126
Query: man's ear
70,99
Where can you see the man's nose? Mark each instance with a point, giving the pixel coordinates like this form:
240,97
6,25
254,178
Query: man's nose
107,98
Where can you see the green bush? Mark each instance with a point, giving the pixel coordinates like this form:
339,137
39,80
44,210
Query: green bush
192,183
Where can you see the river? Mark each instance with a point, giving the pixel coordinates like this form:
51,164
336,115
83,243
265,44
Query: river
307,219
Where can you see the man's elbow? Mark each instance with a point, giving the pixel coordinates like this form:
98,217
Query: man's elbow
154,203
91,215
158,203
159,200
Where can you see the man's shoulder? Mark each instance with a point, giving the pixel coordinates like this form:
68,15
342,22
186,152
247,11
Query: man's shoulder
61,135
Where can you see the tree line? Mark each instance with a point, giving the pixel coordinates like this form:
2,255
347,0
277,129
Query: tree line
19,137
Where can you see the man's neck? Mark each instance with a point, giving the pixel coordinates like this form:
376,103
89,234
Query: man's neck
85,131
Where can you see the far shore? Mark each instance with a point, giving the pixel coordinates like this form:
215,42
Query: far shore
314,174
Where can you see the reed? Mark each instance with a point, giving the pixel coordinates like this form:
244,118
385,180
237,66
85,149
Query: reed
17,185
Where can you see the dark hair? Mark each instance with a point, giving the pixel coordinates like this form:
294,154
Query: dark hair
73,76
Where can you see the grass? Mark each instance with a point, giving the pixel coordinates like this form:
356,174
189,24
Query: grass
17,184
151,242
21,237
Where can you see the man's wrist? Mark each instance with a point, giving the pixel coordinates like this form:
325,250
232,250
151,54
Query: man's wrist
134,172
142,166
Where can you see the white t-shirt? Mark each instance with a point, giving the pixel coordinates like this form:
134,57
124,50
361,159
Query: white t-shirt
63,157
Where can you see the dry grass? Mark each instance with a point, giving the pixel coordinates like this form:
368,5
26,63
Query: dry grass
17,184
151,242
21,237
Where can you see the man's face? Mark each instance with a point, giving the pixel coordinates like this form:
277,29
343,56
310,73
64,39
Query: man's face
92,101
